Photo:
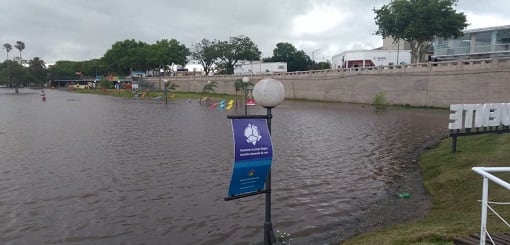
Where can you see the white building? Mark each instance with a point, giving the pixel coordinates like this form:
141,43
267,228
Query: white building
259,67
367,58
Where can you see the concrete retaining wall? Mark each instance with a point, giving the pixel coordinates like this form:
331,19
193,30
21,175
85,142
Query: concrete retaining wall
436,84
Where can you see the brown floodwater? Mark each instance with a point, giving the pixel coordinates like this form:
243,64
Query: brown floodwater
92,169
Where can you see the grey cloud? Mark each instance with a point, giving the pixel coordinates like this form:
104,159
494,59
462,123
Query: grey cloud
85,29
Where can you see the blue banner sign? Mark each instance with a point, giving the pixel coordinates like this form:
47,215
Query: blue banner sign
253,151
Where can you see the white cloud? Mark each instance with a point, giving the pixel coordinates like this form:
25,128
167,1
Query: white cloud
485,20
322,18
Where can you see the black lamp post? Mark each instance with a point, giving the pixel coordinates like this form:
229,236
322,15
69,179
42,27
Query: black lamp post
165,81
246,80
268,93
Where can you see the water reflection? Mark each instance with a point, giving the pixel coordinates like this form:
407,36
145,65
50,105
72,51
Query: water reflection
98,169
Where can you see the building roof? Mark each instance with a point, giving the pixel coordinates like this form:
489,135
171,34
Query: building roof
492,28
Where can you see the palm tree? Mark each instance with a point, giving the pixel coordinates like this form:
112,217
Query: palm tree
242,86
20,46
8,49
37,69
169,86
208,88
238,86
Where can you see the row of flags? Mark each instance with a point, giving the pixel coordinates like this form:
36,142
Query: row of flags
223,105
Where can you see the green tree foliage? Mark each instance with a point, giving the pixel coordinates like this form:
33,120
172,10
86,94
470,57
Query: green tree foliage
37,72
296,60
105,84
64,69
206,52
130,55
166,52
8,49
209,87
238,85
170,86
13,74
126,56
323,65
419,21
20,46
236,49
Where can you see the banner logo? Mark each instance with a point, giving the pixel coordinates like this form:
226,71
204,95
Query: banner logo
253,155
251,132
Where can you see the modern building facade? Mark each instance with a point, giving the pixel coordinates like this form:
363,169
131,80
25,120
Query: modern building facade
474,44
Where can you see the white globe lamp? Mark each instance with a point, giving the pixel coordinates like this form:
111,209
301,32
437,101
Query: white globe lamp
269,93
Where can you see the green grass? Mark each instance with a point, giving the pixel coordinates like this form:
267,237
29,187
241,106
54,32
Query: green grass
455,190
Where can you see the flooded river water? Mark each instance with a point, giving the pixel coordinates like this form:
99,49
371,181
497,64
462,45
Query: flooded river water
92,169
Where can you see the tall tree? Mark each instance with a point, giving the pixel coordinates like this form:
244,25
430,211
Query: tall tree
127,55
20,46
8,48
296,60
13,74
206,52
64,69
240,85
236,49
37,71
419,21
209,87
166,52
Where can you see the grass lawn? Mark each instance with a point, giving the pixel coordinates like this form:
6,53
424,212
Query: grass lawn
455,190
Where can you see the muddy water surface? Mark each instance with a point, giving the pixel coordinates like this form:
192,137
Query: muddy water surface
90,169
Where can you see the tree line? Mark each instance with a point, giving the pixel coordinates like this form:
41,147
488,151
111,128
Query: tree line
215,56
20,73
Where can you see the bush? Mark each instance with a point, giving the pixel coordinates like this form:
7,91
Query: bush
380,100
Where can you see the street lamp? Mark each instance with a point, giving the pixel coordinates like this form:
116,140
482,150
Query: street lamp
165,81
268,93
313,54
246,80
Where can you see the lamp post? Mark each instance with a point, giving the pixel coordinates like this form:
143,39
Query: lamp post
159,77
165,81
95,78
313,54
246,80
268,93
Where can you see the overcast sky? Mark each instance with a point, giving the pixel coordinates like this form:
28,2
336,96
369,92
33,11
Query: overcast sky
85,29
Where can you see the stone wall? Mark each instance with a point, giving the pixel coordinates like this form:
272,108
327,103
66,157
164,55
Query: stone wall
436,84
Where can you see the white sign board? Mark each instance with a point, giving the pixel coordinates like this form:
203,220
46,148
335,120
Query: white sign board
479,115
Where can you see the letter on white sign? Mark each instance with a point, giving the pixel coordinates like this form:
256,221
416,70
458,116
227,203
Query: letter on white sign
456,116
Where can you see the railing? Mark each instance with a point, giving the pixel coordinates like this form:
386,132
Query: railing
454,65
486,173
